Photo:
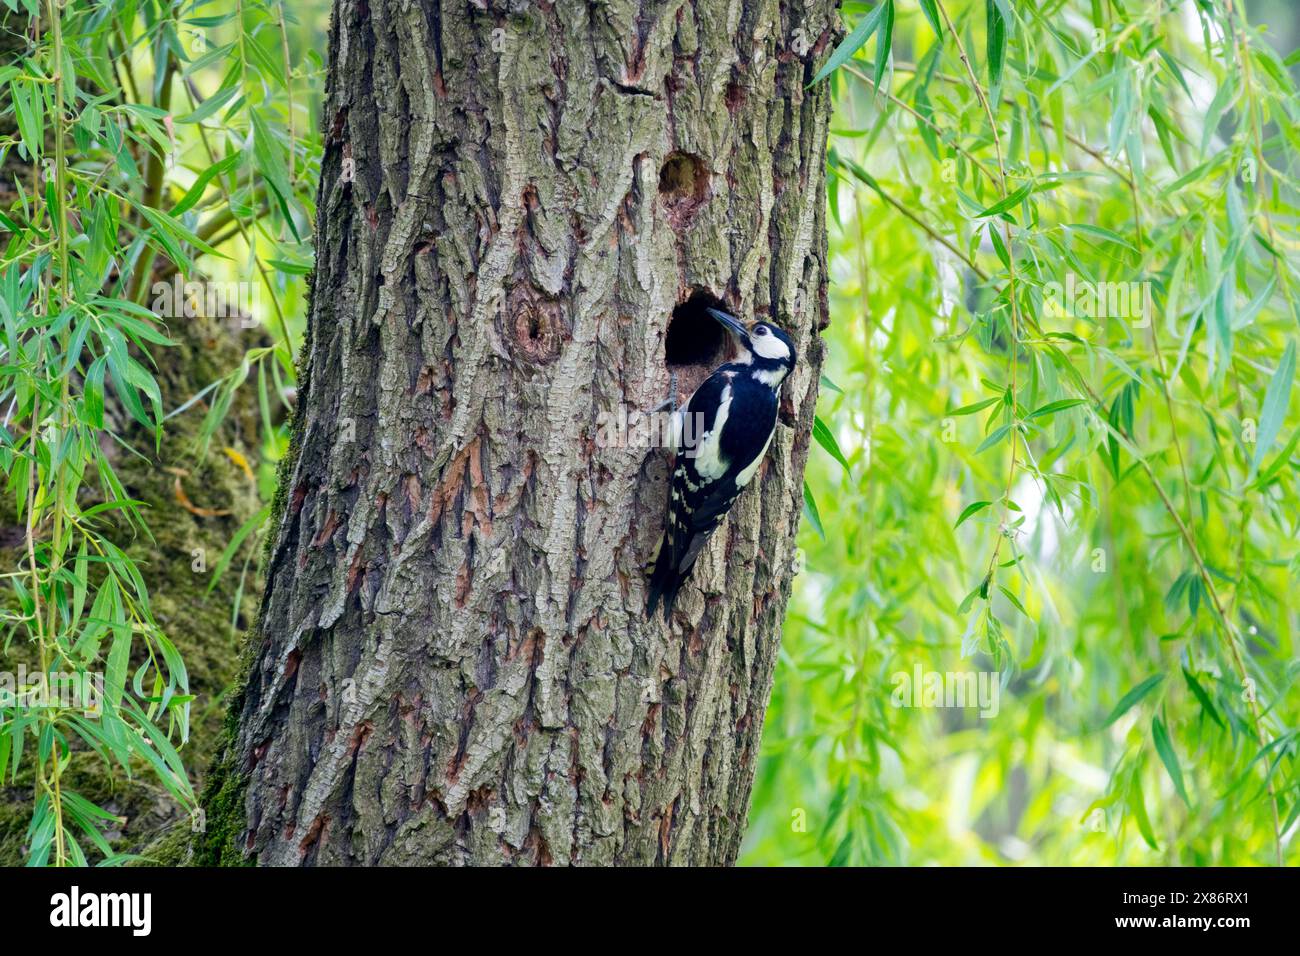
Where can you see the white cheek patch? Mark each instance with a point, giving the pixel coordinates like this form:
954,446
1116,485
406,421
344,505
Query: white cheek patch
769,346
708,455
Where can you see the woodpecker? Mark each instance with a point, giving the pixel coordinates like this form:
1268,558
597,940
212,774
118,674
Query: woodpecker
735,409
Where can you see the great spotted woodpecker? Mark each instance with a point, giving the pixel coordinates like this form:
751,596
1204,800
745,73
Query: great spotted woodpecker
736,410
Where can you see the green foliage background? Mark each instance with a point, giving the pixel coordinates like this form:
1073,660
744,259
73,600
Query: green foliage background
1132,569
140,141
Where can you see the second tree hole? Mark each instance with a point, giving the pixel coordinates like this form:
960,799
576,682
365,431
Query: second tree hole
683,186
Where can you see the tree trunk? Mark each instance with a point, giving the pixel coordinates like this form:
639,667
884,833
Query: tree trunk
455,664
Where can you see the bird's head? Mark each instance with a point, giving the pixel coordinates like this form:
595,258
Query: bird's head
762,345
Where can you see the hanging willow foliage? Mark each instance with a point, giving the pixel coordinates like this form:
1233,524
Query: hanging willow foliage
1063,451
136,139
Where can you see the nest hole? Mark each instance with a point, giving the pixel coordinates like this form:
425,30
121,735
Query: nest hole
694,337
696,343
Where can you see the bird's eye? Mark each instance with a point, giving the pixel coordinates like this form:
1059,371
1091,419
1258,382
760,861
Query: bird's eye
761,330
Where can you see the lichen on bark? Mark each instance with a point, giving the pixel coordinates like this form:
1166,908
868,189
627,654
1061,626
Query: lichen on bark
454,663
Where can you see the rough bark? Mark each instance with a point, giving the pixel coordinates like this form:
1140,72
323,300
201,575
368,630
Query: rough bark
455,664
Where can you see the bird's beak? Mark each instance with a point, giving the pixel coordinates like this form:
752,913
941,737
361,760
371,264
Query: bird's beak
732,325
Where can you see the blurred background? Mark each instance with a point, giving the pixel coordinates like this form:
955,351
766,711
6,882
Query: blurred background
1099,603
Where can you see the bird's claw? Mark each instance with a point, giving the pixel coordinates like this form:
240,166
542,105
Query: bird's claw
669,403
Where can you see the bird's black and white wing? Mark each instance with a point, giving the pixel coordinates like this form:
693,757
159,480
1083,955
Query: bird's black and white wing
715,461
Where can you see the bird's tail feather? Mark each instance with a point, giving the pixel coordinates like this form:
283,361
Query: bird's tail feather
665,582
